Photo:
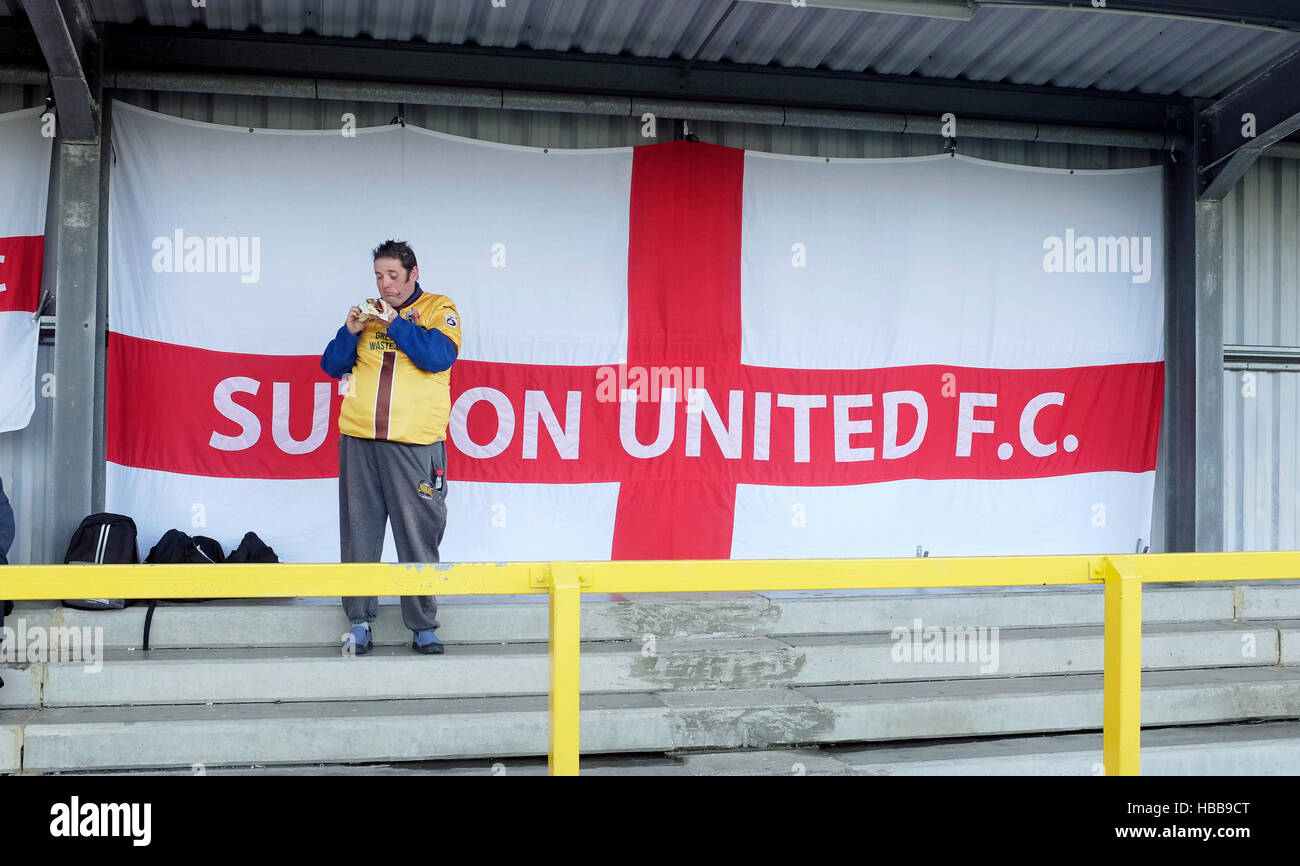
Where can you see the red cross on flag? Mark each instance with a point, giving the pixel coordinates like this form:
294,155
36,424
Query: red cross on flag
24,184
671,351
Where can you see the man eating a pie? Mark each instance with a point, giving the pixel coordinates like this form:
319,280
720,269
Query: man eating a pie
397,350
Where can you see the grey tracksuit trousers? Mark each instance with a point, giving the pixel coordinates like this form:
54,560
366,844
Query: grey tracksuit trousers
381,481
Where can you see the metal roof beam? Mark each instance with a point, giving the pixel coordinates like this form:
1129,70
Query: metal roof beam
616,106
959,10
1235,130
66,33
174,50
1277,14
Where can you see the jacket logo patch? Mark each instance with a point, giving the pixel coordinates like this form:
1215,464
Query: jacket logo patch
451,321
425,490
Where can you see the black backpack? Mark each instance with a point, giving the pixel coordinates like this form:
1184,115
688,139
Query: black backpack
180,548
103,538
252,549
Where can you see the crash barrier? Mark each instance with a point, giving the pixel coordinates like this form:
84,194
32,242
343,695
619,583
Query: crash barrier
565,582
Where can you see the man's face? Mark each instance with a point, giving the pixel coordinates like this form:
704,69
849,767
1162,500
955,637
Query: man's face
395,284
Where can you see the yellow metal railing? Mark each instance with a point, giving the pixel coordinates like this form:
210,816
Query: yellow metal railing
565,582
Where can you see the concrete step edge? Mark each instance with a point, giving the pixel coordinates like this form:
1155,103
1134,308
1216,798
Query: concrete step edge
272,623
165,677
1058,754
470,728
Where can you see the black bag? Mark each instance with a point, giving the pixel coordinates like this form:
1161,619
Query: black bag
252,549
178,547
208,549
103,538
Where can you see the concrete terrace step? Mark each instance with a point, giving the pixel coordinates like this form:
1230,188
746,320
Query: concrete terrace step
501,619
1269,749
88,738
1262,749
593,765
241,675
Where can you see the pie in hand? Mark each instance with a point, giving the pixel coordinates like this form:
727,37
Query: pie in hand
377,307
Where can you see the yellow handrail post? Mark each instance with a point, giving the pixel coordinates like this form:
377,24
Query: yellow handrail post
1122,680
566,605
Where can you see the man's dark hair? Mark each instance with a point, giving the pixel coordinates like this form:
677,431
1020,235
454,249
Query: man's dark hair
399,250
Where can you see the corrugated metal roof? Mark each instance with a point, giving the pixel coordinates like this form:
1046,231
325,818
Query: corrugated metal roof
1078,48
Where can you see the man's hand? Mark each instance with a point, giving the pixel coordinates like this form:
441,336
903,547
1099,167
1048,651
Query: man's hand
356,322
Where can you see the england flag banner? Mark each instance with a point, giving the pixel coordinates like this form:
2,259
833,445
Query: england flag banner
676,350
25,154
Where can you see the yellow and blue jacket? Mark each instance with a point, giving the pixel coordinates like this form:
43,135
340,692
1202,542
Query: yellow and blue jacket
401,375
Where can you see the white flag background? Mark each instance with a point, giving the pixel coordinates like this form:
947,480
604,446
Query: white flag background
864,355
24,188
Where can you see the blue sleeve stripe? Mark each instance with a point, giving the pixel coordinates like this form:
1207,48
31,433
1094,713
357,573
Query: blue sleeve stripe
341,354
430,350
